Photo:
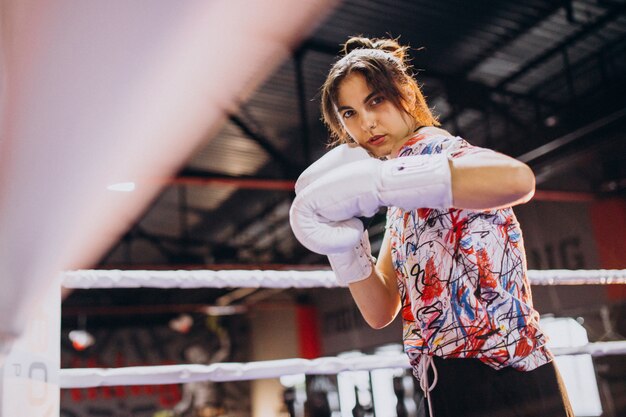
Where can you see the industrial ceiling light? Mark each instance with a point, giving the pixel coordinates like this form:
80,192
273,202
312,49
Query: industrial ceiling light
182,323
124,187
81,339
551,121
225,310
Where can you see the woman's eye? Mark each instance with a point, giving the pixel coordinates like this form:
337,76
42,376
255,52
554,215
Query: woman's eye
347,114
377,100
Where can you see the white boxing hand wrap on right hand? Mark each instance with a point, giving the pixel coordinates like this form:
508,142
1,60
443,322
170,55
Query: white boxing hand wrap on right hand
345,243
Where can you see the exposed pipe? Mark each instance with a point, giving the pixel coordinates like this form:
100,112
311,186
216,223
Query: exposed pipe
288,185
572,136
242,183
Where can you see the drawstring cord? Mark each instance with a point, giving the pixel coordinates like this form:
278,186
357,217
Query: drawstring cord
423,366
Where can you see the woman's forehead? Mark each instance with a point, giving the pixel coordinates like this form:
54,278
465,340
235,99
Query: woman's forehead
353,88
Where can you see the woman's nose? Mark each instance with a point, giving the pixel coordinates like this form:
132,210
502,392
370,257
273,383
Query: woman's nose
368,121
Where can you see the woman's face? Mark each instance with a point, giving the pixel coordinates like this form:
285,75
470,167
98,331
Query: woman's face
370,118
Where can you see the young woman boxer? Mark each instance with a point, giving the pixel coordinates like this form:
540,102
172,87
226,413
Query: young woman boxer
452,261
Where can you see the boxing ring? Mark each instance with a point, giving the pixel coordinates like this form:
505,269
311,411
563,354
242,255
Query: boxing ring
32,377
78,110
220,372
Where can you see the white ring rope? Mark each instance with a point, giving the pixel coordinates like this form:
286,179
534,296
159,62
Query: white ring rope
85,279
176,374
220,372
198,279
577,277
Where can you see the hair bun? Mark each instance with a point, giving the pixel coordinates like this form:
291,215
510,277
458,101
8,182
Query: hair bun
357,42
384,44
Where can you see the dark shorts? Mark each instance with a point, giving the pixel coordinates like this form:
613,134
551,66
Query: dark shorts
469,388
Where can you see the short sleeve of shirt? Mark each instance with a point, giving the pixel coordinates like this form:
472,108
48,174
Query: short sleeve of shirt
456,147
453,146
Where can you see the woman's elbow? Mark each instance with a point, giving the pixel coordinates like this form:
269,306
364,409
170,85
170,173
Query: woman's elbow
378,320
523,184
378,323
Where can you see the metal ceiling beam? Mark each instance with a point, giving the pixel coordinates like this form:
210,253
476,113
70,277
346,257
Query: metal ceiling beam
243,227
602,185
462,82
298,59
483,107
576,135
613,83
600,55
569,10
507,39
612,14
265,143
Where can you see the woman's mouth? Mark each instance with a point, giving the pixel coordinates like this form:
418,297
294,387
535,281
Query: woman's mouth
376,140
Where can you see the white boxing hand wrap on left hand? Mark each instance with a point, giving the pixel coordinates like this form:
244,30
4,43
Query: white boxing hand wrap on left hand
355,264
349,251
336,157
318,234
361,188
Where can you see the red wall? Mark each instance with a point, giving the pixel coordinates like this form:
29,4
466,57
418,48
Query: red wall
608,218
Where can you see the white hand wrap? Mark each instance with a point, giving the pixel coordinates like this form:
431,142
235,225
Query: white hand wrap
361,188
355,264
349,253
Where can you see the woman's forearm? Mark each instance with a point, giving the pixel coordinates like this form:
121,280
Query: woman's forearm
377,297
489,181
377,303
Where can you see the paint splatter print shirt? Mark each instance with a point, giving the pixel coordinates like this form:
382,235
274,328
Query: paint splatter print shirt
462,278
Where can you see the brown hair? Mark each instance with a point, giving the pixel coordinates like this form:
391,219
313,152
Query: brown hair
383,64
